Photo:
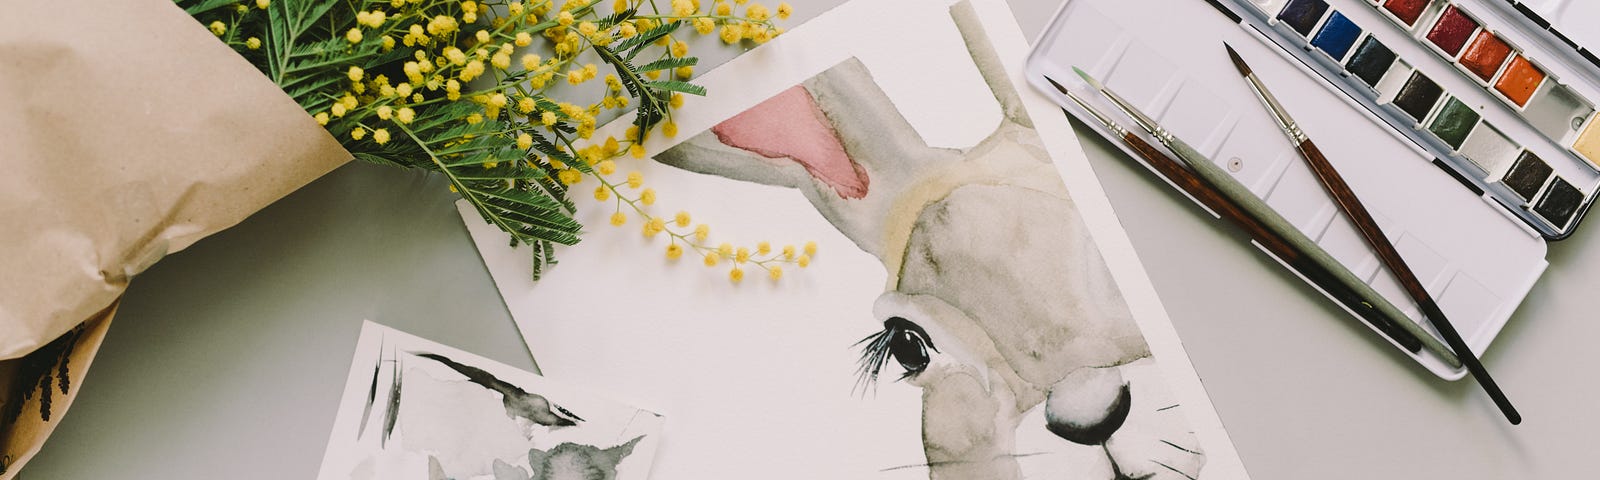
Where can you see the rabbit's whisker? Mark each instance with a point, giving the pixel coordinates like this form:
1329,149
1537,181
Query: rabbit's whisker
1174,445
958,462
1174,470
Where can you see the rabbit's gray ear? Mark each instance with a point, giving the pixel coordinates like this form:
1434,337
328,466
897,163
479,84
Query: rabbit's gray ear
506,471
436,470
708,155
620,452
787,140
865,119
538,462
989,64
827,134
837,138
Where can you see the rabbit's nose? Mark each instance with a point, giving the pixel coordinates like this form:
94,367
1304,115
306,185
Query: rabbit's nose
1088,405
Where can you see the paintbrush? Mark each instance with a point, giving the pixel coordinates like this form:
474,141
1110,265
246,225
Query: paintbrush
1293,253
1357,213
1393,322
1269,240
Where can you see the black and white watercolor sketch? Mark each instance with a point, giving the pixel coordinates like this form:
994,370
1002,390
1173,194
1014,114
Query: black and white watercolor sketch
414,409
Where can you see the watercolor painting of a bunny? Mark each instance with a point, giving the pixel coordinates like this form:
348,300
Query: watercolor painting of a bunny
998,307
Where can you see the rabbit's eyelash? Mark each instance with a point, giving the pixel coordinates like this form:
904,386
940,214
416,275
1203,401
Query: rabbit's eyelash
873,355
876,352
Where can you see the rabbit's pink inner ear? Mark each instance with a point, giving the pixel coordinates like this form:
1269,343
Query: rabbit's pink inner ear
791,126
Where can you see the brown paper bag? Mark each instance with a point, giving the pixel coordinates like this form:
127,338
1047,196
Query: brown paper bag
51,376
127,132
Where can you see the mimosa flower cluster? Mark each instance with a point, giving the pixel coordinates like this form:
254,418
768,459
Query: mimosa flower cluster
479,91
682,233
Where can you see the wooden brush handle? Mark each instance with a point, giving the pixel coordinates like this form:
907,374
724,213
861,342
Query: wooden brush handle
1211,199
1269,240
1358,214
1384,314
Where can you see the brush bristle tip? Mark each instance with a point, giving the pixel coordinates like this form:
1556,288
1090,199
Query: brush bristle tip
1092,82
1238,62
1054,83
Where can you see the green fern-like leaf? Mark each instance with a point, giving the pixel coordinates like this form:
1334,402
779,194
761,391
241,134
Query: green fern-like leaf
636,44
199,7
678,86
669,63
303,47
485,167
615,18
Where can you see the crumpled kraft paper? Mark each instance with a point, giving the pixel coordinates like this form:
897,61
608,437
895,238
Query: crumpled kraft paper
127,132
20,440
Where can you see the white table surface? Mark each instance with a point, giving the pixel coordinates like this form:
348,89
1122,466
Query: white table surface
227,359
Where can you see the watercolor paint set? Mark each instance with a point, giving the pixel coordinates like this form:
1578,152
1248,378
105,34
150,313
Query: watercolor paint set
1480,85
1469,129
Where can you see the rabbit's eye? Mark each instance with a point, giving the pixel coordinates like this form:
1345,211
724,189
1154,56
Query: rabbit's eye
902,339
910,349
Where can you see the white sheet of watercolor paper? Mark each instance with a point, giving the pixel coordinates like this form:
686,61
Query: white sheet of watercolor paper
758,378
499,423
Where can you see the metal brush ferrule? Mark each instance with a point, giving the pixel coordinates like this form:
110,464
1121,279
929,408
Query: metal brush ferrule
1144,121
1117,129
1098,116
1279,114
1162,134
1293,130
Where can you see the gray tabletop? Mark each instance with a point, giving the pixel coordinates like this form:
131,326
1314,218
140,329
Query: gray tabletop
227,360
